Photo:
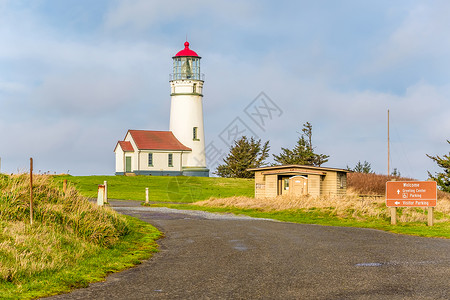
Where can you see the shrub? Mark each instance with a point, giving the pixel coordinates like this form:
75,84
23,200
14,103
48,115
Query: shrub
100,225
65,227
370,183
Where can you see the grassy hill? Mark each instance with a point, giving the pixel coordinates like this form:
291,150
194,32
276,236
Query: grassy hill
162,188
70,243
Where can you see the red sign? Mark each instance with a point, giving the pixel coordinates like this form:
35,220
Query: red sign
411,193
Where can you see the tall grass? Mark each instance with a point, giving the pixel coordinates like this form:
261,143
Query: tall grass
66,227
348,206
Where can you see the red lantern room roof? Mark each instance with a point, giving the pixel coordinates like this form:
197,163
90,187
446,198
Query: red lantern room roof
186,51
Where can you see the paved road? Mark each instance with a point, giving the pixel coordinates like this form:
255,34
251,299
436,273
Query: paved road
208,257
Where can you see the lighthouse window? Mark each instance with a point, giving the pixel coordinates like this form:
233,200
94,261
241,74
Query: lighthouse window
195,134
170,160
186,68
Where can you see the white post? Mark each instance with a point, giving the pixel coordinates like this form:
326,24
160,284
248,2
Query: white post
146,195
101,194
106,191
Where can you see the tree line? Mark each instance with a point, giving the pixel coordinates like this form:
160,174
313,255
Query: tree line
247,153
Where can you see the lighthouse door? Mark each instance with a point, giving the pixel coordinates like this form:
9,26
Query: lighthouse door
298,185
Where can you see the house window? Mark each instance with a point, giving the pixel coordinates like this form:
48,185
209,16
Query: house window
170,160
150,159
195,134
286,184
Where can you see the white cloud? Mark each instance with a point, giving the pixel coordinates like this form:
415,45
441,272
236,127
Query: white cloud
141,14
88,93
67,99
13,87
421,35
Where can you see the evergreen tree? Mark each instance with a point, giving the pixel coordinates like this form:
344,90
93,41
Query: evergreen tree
303,151
396,173
244,154
442,178
364,167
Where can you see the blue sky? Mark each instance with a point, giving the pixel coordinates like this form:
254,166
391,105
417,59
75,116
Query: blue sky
75,75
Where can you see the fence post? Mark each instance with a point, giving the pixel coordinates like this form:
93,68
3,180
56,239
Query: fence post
106,191
64,186
146,195
101,194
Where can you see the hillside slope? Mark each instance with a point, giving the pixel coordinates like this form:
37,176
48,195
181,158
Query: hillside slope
60,250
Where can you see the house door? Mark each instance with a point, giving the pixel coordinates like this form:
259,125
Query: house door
298,185
128,164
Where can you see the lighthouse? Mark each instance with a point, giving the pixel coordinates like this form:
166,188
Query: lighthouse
186,110
181,150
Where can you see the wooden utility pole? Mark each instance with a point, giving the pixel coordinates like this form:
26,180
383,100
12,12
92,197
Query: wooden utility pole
389,150
31,190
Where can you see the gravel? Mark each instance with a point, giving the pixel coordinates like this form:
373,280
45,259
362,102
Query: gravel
194,213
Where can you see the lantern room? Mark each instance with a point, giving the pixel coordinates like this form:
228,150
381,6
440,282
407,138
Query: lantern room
186,65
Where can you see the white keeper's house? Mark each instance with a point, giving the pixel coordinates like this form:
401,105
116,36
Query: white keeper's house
181,150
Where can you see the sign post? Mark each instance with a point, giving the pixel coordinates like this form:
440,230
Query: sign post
411,194
393,215
430,216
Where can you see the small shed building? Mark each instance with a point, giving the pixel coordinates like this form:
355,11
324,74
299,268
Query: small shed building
299,180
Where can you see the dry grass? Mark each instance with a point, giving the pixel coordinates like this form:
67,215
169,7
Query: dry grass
66,227
347,206
370,184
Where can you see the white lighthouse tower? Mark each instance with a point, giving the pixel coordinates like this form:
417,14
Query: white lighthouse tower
186,110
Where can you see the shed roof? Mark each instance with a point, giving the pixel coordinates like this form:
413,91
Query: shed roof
157,140
291,168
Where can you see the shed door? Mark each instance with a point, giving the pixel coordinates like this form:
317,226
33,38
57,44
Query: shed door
128,164
298,185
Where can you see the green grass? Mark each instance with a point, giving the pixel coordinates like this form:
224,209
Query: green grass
162,188
71,242
327,218
131,250
193,189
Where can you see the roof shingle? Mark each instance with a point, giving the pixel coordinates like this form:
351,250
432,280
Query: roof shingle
157,140
126,146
